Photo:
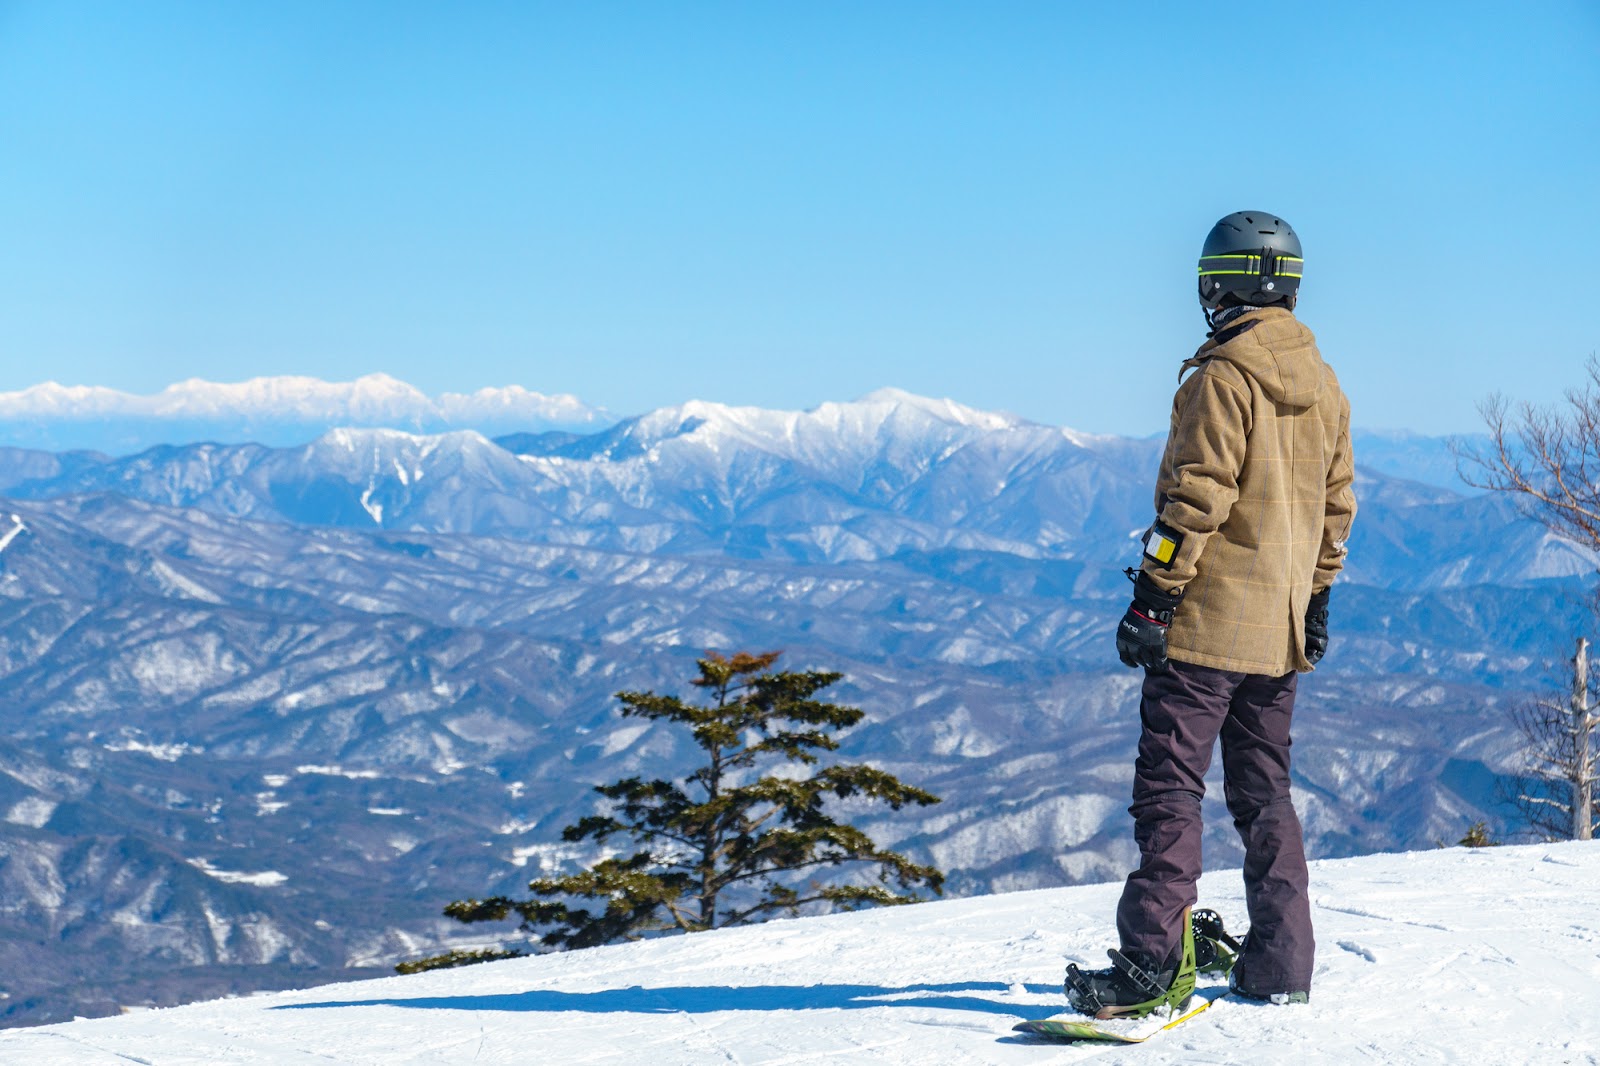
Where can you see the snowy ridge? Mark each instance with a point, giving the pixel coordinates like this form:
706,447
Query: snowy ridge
857,480
270,410
935,462
1497,969
368,398
829,434
9,534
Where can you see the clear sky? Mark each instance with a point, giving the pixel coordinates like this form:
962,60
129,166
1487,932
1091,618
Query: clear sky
780,204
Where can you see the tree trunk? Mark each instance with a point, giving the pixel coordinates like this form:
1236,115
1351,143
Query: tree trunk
1582,821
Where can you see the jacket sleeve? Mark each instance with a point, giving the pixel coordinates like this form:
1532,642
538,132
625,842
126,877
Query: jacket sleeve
1339,511
1200,474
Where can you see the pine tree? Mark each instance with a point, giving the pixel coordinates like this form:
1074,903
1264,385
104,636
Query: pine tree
740,838
1477,836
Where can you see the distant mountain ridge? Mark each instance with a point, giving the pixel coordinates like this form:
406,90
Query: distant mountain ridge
872,479
268,410
280,411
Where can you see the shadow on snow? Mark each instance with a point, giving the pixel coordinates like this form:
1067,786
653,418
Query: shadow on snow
705,999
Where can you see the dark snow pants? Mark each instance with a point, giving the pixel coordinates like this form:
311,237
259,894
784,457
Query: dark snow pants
1184,709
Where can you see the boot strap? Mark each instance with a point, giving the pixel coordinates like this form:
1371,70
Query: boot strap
1092,1003
1143,980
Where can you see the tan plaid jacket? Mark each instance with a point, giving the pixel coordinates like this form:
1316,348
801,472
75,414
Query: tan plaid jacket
1257,478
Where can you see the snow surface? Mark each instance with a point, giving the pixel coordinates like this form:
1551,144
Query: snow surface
1456,955
263,878
10,534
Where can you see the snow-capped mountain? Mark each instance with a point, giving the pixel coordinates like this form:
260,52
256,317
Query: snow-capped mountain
891,475
1495,970
268,410
248,689
846,481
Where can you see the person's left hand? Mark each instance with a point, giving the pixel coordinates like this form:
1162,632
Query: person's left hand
1317,627
1142,633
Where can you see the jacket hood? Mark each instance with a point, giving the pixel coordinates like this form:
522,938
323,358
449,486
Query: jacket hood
1276,351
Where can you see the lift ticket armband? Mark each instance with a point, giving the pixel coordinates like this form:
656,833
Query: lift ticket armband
1161,543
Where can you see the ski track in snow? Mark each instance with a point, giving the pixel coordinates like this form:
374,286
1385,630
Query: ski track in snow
1451,956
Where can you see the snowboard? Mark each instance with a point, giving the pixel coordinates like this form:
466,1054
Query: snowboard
1075,1028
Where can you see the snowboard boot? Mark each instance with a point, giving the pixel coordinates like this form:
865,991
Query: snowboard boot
1133,987
1214,949
1277,999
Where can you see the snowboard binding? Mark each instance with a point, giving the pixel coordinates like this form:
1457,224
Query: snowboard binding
1214,949
1131,988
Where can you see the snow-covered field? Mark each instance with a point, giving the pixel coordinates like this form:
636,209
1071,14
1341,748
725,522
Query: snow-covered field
1485,956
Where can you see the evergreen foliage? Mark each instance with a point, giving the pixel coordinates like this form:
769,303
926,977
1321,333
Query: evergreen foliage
735,841
1477,836
451,959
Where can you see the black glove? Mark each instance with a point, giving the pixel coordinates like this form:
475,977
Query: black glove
1142,633
1317,627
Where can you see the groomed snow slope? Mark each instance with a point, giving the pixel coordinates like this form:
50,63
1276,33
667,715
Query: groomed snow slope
1487,956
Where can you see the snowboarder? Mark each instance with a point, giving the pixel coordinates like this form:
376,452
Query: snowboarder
1230,603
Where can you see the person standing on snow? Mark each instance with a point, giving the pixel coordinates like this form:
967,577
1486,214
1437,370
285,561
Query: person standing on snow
1230,603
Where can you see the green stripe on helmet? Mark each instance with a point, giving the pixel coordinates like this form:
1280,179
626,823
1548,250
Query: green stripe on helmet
1285,266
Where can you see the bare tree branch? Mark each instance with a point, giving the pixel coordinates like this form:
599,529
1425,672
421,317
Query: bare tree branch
1545,458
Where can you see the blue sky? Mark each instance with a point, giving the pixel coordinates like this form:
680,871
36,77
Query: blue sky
780,204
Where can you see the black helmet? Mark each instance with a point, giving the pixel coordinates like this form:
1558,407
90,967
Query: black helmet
1252,254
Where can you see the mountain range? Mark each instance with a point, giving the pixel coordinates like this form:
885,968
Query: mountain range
267,410
267,708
